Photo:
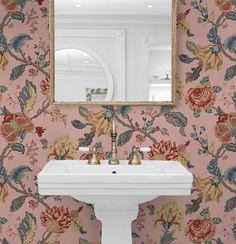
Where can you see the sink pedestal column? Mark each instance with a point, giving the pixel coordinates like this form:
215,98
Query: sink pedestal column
116,214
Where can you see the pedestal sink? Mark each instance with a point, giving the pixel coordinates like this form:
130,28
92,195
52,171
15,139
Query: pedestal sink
115,190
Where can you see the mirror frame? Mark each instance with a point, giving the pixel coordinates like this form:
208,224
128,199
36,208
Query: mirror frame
113,103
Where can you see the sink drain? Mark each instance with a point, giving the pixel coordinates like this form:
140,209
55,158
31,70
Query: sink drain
113,172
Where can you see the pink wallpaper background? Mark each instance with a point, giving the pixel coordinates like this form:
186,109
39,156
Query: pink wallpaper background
200,131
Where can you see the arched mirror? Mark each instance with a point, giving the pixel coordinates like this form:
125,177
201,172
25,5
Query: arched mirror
80,77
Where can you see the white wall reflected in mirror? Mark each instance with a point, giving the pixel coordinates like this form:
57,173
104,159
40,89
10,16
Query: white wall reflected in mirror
113,30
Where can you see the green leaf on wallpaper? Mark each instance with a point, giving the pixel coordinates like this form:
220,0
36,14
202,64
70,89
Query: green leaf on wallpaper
18,16
17,203
177,119
78,124
213,168
205,81
166,109
230,204
230,73
84,112
234,231
231,147
18,147
217,89
205,212
87,140
208,242
186,59
135,235
194,206
3,89
217,221
27,228
124,110
167,238
4,241
183,2
194,75
83,241
125,137
218,241
18,173
18,71
234,100
231,15
191,46
3,220
27,97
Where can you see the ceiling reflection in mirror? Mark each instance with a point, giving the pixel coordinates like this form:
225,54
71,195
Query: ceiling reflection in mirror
115,51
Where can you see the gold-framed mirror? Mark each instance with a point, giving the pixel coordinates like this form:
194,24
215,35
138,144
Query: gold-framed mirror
113,52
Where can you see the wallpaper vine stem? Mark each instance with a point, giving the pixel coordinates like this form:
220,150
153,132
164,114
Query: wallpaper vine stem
200,132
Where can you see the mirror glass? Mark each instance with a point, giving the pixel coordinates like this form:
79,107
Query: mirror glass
114,51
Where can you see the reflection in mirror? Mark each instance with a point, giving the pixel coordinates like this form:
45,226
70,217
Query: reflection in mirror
121,51
79,76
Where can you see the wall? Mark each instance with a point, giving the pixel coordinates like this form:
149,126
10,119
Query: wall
200,132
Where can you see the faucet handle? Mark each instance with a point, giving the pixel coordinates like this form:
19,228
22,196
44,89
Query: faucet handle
145,149
136,156
93,160
84,149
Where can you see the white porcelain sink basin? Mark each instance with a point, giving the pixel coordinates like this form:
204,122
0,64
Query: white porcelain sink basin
115,190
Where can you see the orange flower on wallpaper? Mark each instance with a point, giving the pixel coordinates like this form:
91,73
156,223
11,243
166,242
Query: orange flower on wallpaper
200,229
14,126
62,148
164,150
169,214
209,57
225,128
209,189
224,5
9,5
56,220
200,97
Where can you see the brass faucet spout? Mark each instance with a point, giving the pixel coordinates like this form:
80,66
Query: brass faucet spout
113,160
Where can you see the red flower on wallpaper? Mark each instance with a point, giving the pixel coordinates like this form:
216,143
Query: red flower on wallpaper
45,87
225,128
200,97
56,220
14,126
86,156
224,5
200,229
164,150
9,5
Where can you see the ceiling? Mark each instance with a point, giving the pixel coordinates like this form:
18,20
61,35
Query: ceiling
114,7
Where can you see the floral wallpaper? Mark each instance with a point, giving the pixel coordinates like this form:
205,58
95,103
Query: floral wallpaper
200,132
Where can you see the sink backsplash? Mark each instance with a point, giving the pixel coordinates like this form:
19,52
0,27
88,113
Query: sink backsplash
199,132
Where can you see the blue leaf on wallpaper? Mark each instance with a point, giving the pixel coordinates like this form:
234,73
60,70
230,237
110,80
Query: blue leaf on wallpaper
21,3
230,204
177,119
18,173
17,203
124,110
230,175
18,41
230,73
18,16
2,174
213,168
230,43
3,220
234,100
2,39
18,147
4,241
186,59
231,147
213,35
231,15
18,71
78,124
234,231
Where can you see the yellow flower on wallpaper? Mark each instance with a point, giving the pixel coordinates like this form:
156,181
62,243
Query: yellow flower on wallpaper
100,121
209,57
3,61
169,214
3,192
62,148
209,188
